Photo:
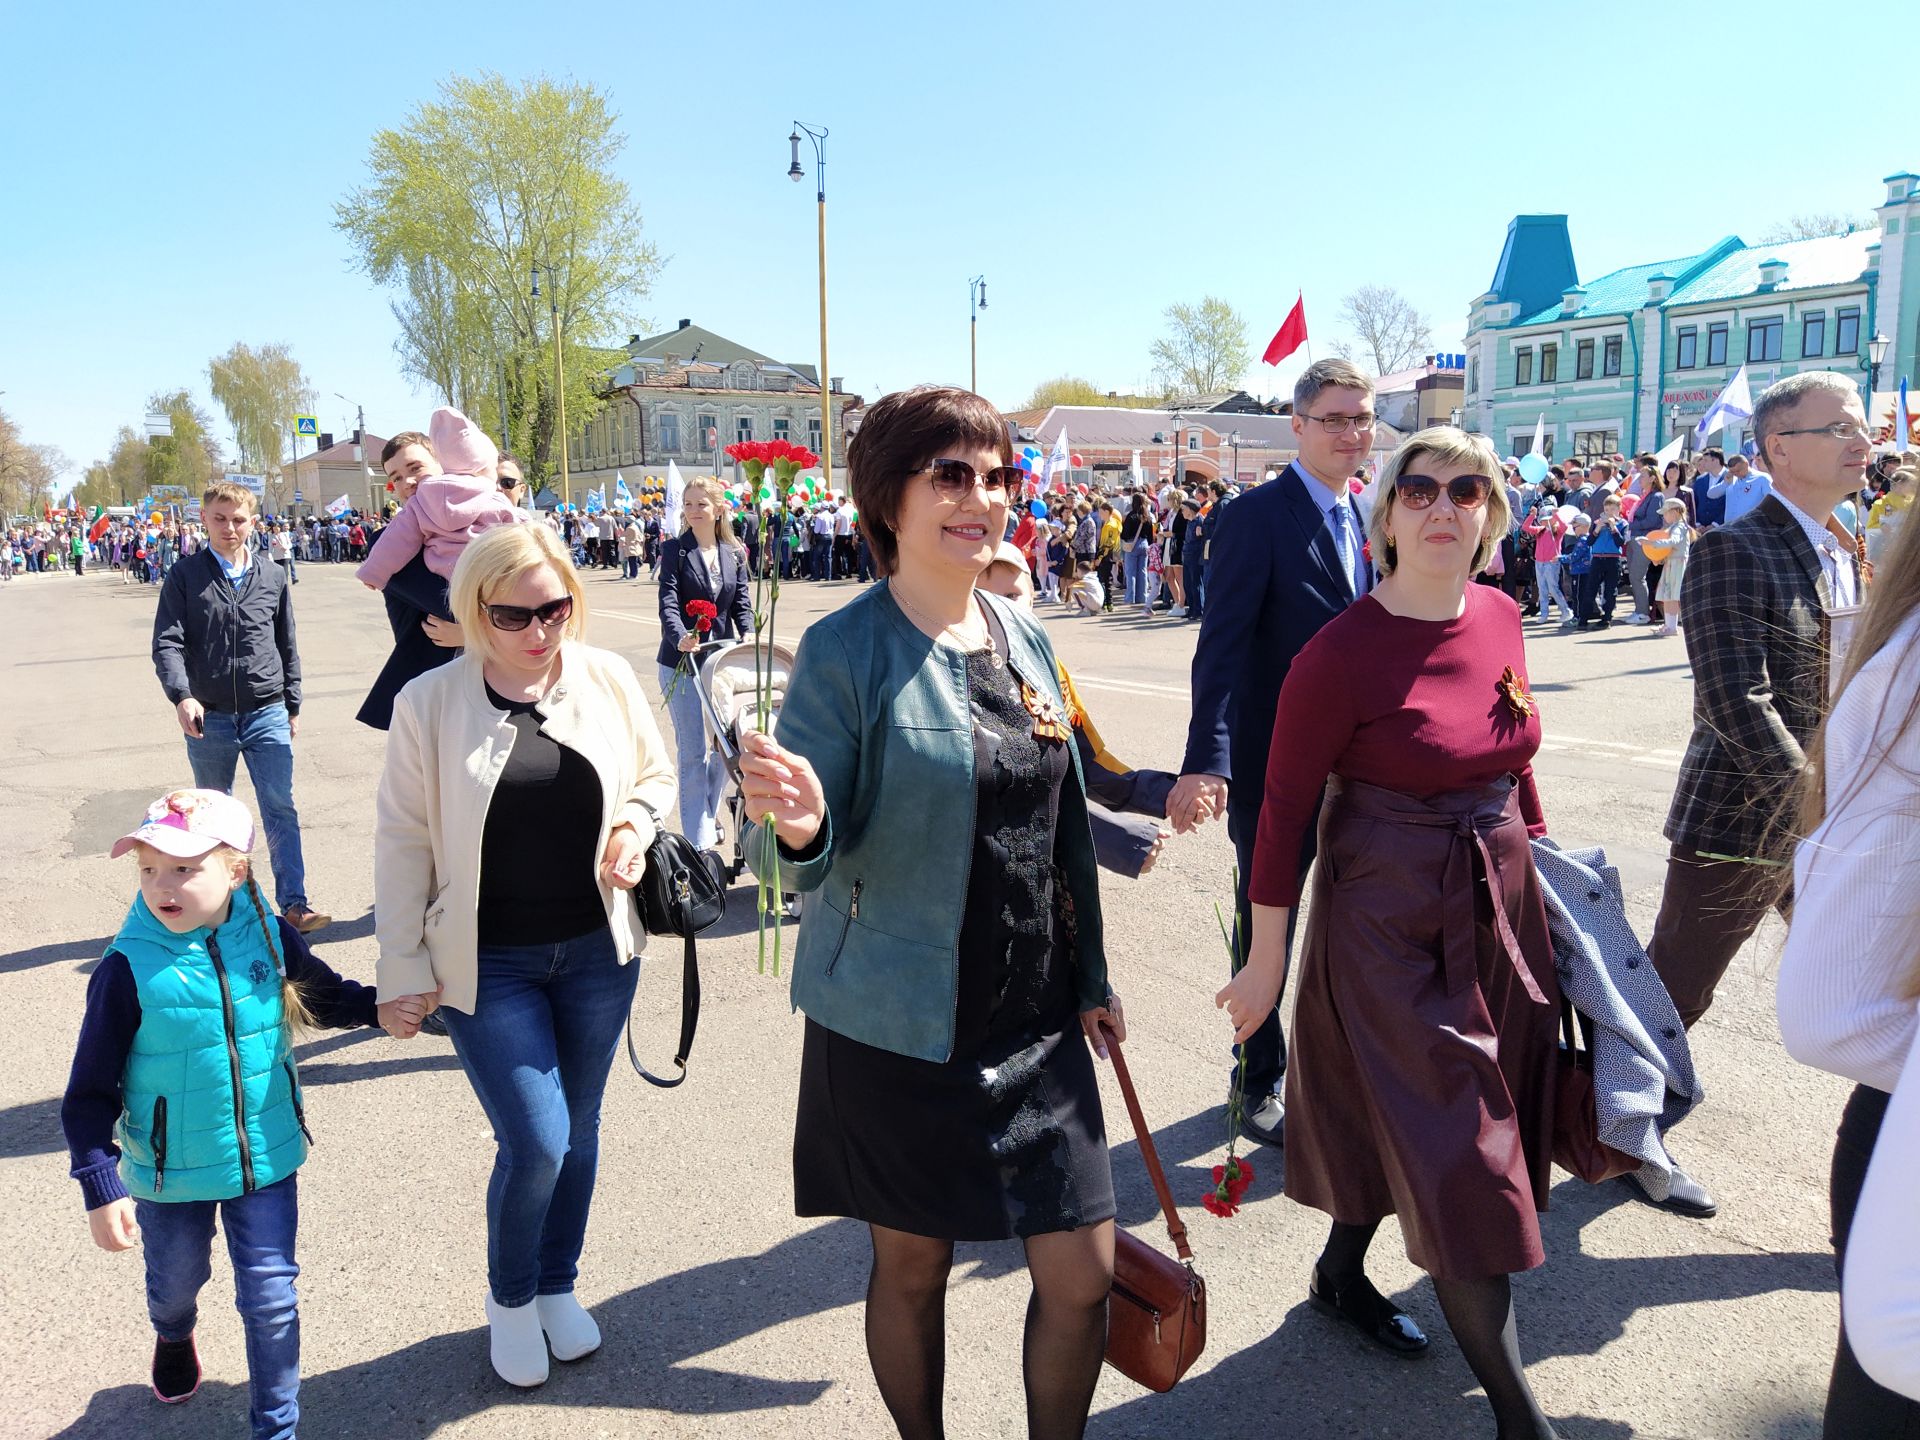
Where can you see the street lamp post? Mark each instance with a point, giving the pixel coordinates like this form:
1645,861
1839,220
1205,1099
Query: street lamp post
359,447
976,302
559,375
1234,440
796,174
1876,355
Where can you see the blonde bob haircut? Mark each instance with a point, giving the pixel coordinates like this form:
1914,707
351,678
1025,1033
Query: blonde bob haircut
492,563
1446,448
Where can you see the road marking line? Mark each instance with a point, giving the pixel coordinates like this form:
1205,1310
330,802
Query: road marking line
623,615
1144,685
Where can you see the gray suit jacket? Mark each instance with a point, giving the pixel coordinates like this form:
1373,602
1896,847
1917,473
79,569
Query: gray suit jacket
1643,1077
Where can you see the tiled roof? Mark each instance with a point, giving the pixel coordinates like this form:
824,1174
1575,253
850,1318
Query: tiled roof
1620,293
341,452
1828,260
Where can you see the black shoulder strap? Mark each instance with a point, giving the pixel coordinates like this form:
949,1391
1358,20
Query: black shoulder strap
689,1019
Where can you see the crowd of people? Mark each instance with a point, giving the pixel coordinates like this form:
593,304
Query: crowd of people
954,979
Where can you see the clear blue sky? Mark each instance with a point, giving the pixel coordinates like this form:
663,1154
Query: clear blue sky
170,176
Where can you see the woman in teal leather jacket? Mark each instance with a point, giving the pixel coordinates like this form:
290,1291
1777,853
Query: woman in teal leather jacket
925,794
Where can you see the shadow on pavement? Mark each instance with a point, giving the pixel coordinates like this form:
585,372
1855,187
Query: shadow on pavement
652,1333
54,954
360,929
31,1129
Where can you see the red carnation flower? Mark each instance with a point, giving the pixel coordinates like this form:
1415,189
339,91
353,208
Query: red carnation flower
1214,1204
702,613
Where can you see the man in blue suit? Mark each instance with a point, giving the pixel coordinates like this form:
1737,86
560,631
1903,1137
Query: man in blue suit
1285,559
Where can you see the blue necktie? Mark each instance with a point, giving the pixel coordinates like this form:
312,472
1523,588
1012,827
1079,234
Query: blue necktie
1345,543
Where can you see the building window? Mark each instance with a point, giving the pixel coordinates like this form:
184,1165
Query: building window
1813,335
1686,348
1549,364
1591,445
1583,360
813,434
1846,331
1473,376
743,428
1523,367
669,433
1193,439
1717,343
781,426
1763,338
1610,356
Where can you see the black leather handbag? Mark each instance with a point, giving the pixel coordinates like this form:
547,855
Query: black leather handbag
681,894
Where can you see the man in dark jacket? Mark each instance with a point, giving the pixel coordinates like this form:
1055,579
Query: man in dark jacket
223,647
1754,606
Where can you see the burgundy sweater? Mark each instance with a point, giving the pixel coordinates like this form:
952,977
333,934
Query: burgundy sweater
1409,705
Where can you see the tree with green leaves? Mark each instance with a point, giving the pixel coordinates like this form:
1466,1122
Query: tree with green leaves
1071,390
261,391
461,203
188,457
1204,350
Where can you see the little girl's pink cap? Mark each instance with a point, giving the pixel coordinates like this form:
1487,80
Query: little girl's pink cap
186,823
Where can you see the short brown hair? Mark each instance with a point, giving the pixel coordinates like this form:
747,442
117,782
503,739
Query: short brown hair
1448,446
900,435
1328,375
231,493
400,442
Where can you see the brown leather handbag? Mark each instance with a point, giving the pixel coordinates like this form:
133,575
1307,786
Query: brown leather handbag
1157,1314
1577,1148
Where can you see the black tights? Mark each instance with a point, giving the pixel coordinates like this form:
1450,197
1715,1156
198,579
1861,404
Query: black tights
1480,1314
1066,1334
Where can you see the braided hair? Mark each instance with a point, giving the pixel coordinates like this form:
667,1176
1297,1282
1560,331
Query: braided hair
294,1004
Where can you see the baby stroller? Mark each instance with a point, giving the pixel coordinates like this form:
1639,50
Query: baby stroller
729,704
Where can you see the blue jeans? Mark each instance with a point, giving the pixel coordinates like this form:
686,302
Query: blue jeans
1547,580
178,1241
264,738
1134,569
703,774
545,1026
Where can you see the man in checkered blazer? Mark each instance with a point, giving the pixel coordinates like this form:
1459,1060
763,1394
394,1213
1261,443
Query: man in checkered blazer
1755,605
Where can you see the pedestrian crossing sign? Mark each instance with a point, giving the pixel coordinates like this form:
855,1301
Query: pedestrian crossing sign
307,426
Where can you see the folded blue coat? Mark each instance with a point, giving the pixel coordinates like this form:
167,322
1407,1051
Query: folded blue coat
1643,1077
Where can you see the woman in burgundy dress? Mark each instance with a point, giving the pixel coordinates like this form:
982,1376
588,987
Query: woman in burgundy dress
1426,1025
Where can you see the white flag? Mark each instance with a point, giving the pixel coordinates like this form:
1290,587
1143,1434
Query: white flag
676,487
1539,436
1734,405
1058,461
339,505
1667,454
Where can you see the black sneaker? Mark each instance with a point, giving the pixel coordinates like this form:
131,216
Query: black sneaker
433,1025
176,1370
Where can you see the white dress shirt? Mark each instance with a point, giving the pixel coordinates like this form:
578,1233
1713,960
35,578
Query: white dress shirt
1838,567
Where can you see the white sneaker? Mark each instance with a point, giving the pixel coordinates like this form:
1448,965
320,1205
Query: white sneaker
519,1350
1178,612
571,1331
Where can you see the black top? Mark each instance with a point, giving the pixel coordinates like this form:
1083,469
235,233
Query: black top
539,862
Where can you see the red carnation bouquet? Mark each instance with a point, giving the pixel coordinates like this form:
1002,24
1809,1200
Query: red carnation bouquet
702,613
1232,1180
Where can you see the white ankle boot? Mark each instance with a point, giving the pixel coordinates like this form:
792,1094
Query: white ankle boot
571,1331
519,1349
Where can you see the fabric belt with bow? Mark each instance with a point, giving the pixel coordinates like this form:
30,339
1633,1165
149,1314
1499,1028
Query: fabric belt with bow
1470,815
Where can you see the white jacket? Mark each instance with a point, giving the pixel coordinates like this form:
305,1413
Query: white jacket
445,751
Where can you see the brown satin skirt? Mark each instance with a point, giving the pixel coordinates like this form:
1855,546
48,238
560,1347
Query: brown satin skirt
1422,1073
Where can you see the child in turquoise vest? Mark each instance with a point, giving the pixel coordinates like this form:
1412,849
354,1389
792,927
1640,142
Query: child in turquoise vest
184,1099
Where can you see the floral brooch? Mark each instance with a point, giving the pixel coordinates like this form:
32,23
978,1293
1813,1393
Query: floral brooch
1049,720
1514,691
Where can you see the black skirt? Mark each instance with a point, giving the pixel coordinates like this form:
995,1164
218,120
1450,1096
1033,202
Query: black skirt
1006,1139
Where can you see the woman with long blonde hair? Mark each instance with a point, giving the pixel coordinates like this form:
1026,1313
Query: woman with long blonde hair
1850,979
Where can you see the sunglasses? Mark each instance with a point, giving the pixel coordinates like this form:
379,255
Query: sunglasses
1417,492
519,617
955,479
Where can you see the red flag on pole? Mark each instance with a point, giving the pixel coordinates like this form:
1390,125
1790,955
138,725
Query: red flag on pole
1291,335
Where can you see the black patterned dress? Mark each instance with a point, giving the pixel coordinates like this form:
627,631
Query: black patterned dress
1006,1139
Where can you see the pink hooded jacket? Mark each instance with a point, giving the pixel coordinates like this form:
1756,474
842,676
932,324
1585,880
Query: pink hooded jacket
447,510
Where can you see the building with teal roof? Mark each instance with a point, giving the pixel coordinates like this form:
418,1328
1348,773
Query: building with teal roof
1627,360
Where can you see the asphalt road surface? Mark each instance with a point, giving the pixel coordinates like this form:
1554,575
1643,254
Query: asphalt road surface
723,1314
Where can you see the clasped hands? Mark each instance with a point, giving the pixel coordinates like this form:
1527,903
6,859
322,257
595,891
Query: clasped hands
1194,800
400,1017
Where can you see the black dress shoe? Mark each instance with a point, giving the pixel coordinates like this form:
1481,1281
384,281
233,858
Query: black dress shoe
1685,1195
1265,1121
1369,1312
433,1024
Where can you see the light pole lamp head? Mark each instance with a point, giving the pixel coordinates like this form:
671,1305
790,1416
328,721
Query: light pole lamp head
536,282
983,292
1877,348
794,172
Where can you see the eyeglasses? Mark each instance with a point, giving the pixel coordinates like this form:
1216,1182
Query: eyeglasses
519,617
955,479
1840,430
1340,424
1467,492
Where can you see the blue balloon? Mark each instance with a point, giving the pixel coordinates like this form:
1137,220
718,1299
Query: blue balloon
1038,509
1026,464
1533,467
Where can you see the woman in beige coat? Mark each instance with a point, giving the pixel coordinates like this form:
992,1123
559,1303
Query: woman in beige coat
523,784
